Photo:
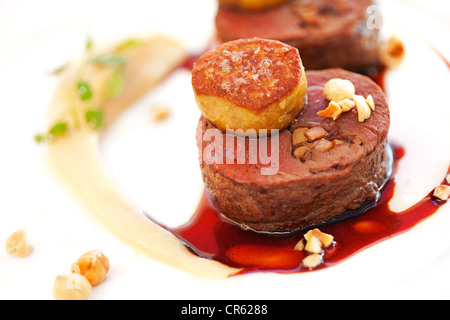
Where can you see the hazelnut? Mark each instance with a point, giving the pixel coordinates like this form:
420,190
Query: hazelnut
442,192
300,246
300,152
71,287
315,133
323,145
364,111
312,261
339,89
333,111
347,105
392,52
313,245
17,246
93,265
325,239
370,102
299,137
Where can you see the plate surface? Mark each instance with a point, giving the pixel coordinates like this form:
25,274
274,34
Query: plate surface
162,175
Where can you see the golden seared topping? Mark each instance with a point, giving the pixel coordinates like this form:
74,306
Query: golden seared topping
251,73
252,4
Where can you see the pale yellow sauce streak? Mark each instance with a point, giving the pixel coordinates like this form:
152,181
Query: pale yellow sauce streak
78,160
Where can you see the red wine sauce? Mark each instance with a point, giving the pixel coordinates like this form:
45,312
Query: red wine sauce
211,236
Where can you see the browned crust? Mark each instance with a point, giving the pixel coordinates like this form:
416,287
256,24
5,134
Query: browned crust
251,73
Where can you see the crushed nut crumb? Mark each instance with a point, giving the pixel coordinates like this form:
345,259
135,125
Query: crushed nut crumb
364,111
370,102
299,137
71,287
300,152
323,145
316,241
347,105
312,261
159,113
442,192
316,133
333,111
300,246
313,245
325,239
17,246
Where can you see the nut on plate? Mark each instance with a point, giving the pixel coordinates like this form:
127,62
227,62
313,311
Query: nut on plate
93,265
17,245
313,260
442,192
71,287
392,52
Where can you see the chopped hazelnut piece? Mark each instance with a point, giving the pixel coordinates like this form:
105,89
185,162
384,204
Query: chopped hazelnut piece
370,102
71,287
312,261
338,142
300,246
333,111
299,137
392,52
347,105
17,246
323,145
364,111
442,192
159,113
316,133
93,265
313,245
300,152
325,239
339,89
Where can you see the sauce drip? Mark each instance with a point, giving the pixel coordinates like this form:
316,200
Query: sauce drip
211,236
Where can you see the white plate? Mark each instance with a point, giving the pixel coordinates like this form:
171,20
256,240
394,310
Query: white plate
38,36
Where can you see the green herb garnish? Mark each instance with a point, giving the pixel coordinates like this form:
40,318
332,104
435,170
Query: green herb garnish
59,70
84,89
127,44
59,129
115,83
95,118
89,44
39,138
109,60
